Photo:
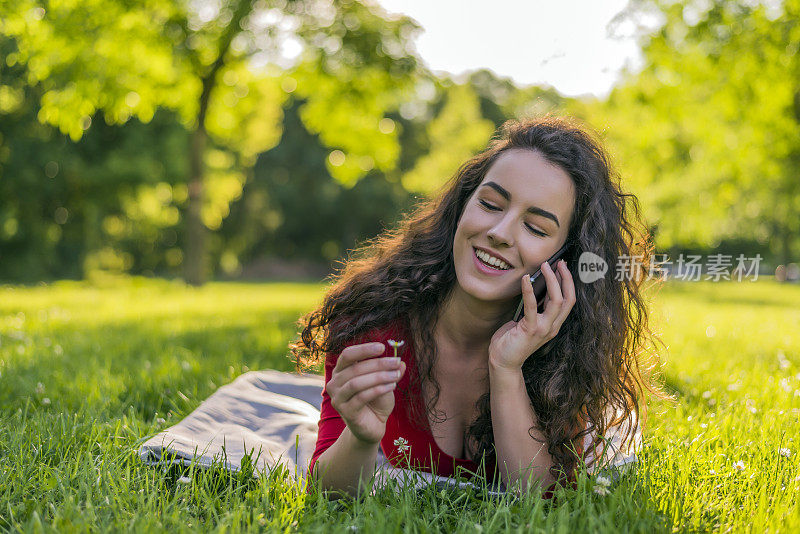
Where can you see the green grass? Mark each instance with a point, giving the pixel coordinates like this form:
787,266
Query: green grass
87,372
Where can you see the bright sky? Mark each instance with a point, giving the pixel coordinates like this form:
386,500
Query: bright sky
562,43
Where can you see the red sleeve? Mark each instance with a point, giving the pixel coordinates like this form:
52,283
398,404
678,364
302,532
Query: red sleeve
330,425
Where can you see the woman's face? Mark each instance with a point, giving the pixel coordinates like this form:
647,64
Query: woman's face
520,214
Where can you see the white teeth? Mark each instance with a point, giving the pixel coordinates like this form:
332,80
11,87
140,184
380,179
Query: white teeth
491,260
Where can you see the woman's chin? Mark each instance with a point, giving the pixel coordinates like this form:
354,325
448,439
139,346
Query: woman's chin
488,293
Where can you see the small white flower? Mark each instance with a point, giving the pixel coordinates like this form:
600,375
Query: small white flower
739,466
786,452
402,445
601,490
603,481
395,345
45,401
160,420
184,480
39,388
712,472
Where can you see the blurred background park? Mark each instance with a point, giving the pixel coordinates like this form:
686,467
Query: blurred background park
150,146
253,139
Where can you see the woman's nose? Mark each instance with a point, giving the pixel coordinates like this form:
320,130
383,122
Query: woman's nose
501,232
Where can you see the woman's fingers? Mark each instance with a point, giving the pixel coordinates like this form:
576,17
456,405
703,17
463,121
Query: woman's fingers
363,382
356,353
368,395
568,288
556,299
372,365
529,303
558,279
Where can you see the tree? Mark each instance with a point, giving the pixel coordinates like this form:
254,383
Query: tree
202,60
107,201
708,130
455,134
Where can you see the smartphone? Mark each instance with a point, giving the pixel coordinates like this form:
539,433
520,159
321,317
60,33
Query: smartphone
540,284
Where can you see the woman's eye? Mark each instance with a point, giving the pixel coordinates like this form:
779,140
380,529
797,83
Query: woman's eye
495,208
488,206
535,231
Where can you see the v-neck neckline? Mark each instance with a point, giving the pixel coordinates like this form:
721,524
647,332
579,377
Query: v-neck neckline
412,361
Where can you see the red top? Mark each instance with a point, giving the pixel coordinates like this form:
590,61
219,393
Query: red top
404,444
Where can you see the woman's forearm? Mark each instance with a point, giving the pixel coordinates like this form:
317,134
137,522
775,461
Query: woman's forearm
519,457
346,463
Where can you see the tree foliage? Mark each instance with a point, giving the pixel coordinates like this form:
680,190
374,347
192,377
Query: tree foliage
297,128
708,130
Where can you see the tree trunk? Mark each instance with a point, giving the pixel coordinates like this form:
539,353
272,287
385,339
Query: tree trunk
194,259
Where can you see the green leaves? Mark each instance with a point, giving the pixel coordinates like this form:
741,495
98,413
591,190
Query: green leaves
456,134
706,133
95,55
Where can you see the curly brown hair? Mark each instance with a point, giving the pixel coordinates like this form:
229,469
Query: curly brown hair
604,353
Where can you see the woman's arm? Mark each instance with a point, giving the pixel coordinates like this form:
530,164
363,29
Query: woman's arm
521,459
362,386
346,464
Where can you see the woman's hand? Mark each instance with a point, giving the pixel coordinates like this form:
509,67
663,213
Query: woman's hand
514,342
361,389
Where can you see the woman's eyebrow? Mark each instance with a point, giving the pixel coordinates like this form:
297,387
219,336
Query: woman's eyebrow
533,209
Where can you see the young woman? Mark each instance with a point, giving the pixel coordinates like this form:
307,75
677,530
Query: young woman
471,386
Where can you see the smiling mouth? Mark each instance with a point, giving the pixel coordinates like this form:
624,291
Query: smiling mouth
488,265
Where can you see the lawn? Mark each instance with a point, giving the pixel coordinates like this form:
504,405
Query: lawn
87,372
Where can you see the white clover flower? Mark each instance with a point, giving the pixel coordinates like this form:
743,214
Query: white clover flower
402,445
786,452
739,466
712,472
184,480
45,401
601,490
39,388
603,481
